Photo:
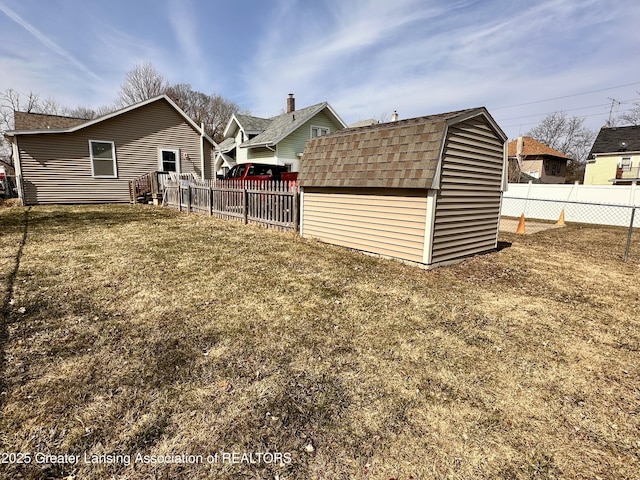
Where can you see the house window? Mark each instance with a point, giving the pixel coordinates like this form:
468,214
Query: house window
625,164
169,160
319,131
103,159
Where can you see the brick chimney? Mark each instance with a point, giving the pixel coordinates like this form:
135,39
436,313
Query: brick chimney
291,103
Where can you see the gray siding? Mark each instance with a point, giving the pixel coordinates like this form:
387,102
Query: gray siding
468,204
389,223
56,168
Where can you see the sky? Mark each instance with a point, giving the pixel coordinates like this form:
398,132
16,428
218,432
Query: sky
521,60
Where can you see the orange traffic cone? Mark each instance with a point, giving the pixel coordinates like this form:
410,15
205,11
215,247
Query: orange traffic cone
521,229
561,219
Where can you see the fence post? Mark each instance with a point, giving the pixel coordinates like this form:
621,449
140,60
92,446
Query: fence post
626,251
296,211
245,206
188,199
210,200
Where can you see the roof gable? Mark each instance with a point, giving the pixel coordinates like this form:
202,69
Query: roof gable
247,123
533,147
401,154
88,123
281,126
616,140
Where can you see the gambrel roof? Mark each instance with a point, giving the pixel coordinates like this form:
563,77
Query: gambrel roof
401,154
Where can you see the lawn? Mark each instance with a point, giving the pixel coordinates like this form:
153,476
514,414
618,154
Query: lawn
140,343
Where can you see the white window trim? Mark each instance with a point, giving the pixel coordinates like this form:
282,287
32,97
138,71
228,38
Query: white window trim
626,168
174,150
327,129
113,158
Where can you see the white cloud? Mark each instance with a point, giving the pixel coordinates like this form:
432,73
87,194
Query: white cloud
427,57
184,21
48,43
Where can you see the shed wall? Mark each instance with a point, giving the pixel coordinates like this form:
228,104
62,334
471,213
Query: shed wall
468,203
56,168
385,222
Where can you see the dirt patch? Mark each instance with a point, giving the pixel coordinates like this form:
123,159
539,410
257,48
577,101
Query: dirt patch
510,225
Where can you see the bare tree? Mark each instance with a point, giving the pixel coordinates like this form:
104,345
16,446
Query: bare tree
141,83
632,116
212,110
569,136
11,101
565,134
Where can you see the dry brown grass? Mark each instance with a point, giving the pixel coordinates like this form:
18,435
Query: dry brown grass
146,331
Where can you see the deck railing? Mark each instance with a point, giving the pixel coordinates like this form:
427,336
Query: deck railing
147,187
632,173
274,204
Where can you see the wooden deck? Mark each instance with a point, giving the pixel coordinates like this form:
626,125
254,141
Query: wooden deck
148,188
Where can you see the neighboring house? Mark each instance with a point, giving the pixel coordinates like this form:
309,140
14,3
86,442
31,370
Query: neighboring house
538,160
279,140
426,190
615,157
70,160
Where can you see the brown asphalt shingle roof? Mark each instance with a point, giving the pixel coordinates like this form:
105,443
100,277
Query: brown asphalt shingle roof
40,121
402,154
533,147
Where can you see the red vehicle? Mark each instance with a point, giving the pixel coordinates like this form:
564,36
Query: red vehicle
260,171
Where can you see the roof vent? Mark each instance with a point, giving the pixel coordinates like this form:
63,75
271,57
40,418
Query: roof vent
394,116
623,146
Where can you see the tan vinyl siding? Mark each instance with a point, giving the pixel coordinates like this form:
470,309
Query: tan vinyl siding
57,167
208,160
385,223
293,144
468,203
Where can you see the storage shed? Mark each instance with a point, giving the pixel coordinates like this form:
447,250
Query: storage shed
426,190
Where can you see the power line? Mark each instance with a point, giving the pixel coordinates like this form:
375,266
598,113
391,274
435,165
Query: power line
566,110
535,123
565,96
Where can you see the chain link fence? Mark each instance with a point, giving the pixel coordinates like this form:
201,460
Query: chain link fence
627,216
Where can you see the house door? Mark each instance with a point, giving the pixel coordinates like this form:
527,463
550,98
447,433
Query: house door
169,160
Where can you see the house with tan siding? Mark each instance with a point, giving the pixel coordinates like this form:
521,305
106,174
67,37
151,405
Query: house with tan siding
425,190
278,140
66,160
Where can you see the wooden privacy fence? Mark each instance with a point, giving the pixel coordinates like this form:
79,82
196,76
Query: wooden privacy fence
274,204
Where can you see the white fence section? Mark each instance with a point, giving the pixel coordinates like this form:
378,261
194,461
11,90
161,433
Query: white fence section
596,204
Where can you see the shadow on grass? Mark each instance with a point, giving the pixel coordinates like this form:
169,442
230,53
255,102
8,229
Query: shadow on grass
502,245
5,306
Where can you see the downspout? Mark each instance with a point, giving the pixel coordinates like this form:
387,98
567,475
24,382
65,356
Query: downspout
202,148
18,168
